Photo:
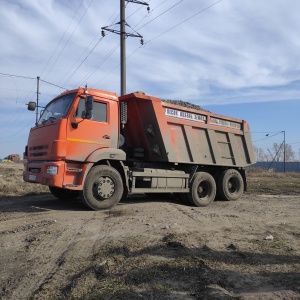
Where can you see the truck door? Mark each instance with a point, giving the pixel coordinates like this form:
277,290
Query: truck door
84,136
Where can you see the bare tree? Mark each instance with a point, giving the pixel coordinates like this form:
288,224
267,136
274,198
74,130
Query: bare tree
289,153
277,152
260,154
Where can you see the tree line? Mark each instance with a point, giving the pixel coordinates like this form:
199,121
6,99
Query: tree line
275,153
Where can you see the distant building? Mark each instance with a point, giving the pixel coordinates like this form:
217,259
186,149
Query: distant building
14,157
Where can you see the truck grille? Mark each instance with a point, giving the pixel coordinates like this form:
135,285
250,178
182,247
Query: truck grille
34,170
38,151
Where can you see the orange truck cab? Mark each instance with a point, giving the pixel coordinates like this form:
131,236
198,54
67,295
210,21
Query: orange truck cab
95,145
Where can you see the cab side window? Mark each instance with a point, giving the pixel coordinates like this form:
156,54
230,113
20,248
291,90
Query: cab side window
99,112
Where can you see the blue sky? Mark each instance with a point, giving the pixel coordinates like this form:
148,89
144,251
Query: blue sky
233,57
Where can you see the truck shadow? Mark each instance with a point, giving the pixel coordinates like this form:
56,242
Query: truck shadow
39,203
159,198
46,202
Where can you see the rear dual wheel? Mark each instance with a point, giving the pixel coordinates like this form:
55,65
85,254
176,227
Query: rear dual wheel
103,188
230,185
203,189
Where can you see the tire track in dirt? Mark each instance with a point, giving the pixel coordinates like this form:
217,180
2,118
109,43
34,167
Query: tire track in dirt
45,259
79,250
41,258
32,244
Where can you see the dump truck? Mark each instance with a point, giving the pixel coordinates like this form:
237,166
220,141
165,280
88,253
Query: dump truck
95,145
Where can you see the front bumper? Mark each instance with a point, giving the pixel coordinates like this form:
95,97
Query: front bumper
36,172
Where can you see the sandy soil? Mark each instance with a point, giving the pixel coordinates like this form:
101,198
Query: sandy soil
249,249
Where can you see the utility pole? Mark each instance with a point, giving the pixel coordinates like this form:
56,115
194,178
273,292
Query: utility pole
123,47
37,98
284,154
123,35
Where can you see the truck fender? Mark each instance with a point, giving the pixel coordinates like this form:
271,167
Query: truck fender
111,156
106,154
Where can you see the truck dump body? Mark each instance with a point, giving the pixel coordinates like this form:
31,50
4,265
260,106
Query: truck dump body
177,134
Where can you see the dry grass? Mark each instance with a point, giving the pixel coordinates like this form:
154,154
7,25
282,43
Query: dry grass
264,182
165,269
12,184
259,182
129,270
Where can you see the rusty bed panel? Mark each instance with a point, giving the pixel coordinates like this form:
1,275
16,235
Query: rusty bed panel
172,133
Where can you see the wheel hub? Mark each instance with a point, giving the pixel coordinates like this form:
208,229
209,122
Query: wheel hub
105,187
202,190
232,186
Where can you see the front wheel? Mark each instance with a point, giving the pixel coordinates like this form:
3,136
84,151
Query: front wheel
203,189
230,185
103,188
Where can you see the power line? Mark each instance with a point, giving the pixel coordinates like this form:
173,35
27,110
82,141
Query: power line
161,14
26,77
267,137
148,14
61,37
19,76
66,81
17,112
123,35
112,16
100,63
114,49
11,123
265,132
15,135
82,61
15,89
19,128
185,20
53,84
171,28
136,11
69,38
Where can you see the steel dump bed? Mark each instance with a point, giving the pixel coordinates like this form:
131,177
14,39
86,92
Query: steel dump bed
171,133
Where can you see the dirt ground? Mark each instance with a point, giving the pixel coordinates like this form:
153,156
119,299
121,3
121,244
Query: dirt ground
150,248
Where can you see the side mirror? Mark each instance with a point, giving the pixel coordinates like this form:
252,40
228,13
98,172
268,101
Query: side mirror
31,106
89,107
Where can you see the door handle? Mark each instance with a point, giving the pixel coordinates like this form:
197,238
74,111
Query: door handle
107,137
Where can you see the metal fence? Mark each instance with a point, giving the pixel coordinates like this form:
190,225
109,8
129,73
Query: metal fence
278,166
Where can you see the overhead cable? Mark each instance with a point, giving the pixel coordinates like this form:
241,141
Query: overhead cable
185,20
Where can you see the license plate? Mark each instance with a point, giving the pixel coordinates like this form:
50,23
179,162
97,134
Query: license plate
32,177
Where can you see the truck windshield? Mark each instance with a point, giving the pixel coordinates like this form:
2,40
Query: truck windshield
57,108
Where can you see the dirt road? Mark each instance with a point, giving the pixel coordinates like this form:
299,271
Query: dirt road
248,249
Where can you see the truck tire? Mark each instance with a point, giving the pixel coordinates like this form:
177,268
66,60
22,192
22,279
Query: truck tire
63,194
103,188
230,185
203,189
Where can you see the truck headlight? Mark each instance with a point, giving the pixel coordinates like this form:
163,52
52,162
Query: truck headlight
52,170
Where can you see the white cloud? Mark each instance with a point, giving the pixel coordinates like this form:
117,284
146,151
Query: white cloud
234,51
